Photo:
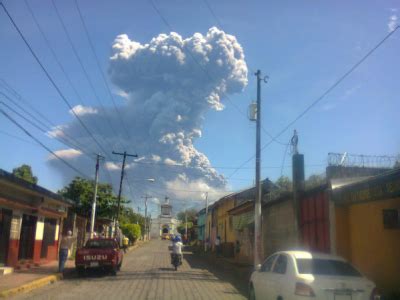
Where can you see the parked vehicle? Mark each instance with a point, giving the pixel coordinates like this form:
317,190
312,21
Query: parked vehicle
99,253
291,275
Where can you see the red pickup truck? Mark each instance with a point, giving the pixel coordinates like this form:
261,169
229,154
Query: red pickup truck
99,253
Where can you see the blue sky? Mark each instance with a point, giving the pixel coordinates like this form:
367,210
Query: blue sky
303,46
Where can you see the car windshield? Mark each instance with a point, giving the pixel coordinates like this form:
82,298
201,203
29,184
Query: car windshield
326,267
103,244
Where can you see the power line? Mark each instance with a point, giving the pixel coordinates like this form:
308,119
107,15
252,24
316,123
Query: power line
101,70
75,51
85,73
207,73
41,144
37,126
51,125
251,70
49,77
71,142
58,61
17,137
333,86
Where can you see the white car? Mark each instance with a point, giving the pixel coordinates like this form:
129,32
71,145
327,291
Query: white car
290,275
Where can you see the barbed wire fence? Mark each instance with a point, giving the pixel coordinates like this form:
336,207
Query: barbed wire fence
360,160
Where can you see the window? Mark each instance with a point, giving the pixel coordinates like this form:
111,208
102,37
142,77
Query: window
391,218
280,265
101,244
267,265
326,267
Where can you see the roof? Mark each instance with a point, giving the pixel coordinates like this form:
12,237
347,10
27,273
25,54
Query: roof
10,178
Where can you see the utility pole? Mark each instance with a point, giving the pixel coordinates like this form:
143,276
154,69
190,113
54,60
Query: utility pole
205,223
298,184
257,204
122,177
145,215
93,217
186,236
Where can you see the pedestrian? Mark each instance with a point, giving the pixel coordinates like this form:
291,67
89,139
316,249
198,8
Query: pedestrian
65,244
218,246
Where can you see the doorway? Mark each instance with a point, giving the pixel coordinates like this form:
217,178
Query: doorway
27,237
5,226
49,233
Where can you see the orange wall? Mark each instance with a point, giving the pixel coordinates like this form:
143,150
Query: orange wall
223,221
362,239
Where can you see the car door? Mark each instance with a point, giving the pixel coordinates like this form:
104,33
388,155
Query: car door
262,282
278,280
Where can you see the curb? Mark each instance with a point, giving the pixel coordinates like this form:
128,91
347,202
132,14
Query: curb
31,285
38,283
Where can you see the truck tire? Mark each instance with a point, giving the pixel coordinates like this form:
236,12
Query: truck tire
80,271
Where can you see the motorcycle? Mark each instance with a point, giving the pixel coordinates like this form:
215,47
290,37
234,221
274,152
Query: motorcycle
176,260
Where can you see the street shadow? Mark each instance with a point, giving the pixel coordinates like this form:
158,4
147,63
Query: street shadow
224,272
166,269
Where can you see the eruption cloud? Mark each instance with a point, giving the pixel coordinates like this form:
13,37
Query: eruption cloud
168,85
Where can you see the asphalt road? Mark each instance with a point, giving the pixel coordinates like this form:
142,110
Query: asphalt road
146,274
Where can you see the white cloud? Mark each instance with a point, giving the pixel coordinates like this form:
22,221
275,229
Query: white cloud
66,154
167,95
81,110
393,23
57,131
112,166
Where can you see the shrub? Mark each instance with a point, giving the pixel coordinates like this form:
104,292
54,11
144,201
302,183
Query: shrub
131,231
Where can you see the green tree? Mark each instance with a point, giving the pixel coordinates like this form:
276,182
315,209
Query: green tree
81,191
132,231
191,215
315,180
25,172
284,184
128,216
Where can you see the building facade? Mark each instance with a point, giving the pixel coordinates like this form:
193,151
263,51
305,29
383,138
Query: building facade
165,223
30,222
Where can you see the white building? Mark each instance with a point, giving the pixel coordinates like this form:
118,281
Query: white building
165,223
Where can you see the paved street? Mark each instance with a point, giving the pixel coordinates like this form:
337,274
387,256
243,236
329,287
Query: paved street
146,274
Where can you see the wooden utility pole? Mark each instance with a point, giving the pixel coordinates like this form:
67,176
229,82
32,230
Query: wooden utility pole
257,205
122,177
93,217
146,225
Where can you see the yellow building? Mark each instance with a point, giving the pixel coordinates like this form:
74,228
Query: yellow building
367,228
224,221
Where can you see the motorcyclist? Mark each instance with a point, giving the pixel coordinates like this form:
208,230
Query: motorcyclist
177,248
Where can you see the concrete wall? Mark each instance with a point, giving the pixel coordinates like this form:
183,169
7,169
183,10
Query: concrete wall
278,227
224,229
362,239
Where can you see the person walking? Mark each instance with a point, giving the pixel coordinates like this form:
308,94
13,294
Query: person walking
65,244
218,246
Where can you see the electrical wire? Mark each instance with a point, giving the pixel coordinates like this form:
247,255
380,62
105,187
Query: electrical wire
58,61
101,71
207,73
323,95
85,73
42,145
49,76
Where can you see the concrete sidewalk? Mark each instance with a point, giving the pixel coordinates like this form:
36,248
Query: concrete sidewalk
34,277
29,278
